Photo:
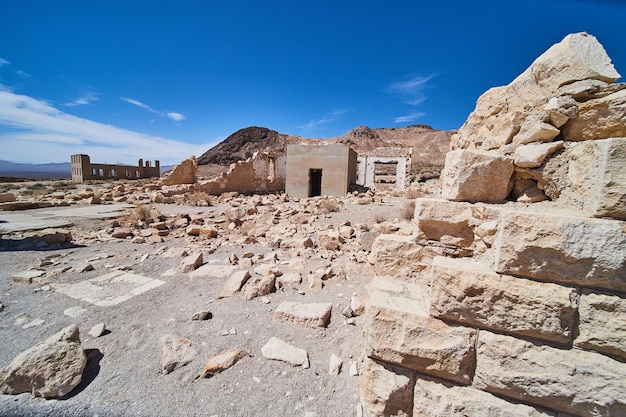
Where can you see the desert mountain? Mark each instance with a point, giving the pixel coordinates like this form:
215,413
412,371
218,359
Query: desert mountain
429,145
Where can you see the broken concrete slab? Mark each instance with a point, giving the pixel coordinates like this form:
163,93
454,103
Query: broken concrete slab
109,289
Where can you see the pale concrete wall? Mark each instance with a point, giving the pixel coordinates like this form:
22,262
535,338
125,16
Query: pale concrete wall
83,170
261,173
337,162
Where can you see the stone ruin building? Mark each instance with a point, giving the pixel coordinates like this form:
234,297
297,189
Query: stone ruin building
83,170
384,166
509,297
320,170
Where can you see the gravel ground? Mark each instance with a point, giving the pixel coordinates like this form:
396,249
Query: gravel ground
123,375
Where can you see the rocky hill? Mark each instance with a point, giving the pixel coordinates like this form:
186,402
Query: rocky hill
429,145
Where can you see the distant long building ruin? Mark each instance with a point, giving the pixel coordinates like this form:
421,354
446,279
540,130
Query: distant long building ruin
83,170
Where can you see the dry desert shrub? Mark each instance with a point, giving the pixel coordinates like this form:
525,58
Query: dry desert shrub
397,193
363,201
140,216
408,211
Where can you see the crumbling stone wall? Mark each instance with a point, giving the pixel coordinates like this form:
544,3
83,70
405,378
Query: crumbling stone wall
261,173
512,309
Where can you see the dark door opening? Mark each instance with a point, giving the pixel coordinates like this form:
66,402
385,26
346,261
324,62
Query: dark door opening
315,182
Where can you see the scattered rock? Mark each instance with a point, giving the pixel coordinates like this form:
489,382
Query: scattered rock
334,366
50,369
27,276
201,315
279,350
175,352
191,262
97,330
223,361
311,314
234,284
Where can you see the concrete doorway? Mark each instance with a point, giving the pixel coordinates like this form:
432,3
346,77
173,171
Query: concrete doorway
315,182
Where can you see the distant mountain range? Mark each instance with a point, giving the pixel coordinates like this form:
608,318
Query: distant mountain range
49,171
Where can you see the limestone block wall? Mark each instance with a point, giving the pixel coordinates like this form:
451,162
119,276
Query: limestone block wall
497,310
518,308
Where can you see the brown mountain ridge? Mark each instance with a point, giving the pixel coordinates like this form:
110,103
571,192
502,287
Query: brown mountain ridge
429,146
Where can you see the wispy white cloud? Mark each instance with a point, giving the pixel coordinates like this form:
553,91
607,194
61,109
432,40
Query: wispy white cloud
22,74
327,118
85,99
409,117
412,92
32,130
4,62
177,117
413,87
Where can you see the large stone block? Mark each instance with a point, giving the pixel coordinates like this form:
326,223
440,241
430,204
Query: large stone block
574,381
450,223
435,398
589,176
598,119
602,325
393,253
476,176
468,292
386,389
397,334
561,248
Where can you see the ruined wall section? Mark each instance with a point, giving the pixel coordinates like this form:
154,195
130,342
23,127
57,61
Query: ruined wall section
512,309
261,173
83,170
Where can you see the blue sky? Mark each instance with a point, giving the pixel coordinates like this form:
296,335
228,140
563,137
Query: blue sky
123,80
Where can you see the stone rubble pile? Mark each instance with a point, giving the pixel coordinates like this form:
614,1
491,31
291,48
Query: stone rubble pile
517,308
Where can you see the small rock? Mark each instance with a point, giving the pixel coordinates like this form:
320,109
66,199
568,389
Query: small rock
354,369
83,268
265,300
334,367
191,262
347,312
201,315
223,361
279,350
36,322
97,330
122,233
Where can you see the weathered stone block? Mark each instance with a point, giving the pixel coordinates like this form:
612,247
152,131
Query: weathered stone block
561,248
602,325
598,119
469,292
306,314
435,398
476,176
397,334
391,253
589,176
386,389
50,369
450,223
574,381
